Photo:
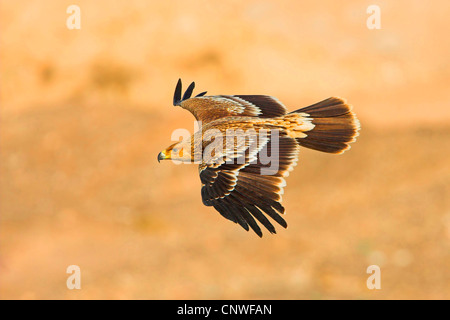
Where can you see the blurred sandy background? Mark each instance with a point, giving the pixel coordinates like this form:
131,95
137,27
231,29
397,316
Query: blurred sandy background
85,112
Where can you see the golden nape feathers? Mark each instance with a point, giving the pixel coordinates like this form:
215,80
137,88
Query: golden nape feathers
247,144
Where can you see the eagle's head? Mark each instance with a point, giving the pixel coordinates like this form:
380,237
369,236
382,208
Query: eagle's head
180,151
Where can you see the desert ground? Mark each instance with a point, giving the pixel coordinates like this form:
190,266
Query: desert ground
84,113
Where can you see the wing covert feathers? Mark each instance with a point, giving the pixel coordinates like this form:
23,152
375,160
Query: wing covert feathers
210,108
249,193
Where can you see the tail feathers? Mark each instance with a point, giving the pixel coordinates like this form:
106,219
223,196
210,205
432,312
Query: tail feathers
335,126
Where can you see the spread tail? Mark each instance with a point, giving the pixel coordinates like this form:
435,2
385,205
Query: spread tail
335,126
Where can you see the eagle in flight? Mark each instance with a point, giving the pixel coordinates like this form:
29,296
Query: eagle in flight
247,144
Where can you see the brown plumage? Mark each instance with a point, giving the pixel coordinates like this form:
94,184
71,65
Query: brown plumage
238,136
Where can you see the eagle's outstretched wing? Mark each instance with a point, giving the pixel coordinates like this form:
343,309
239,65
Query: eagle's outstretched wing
210,108
247,190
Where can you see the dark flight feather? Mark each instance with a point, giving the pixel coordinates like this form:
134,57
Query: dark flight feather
177,94
177,99
188,92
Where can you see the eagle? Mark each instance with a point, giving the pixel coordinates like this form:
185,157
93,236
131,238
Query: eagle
246,146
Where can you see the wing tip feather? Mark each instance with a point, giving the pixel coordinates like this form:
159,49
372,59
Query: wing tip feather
178,99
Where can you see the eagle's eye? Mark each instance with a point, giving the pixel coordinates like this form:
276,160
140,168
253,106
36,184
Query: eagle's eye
178,151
